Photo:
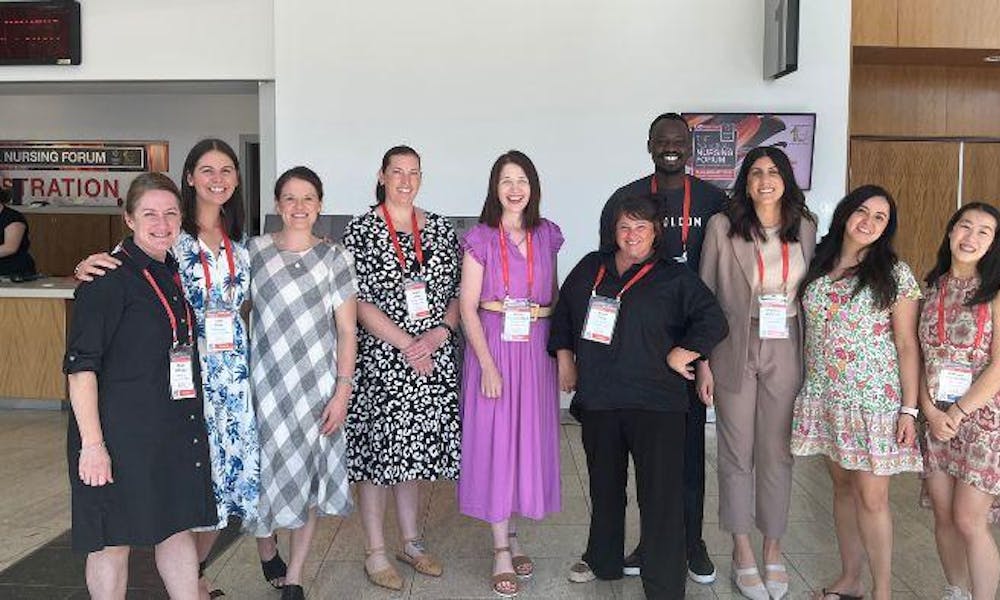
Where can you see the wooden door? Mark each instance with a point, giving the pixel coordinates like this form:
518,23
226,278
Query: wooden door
923,178
981,173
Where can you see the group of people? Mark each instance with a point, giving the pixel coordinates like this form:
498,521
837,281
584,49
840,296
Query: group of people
693,299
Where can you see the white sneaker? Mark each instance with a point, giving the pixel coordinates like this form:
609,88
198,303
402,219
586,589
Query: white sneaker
953,592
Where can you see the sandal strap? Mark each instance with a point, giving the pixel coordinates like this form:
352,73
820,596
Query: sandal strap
746,571
501,549
374,551
512,534
776,568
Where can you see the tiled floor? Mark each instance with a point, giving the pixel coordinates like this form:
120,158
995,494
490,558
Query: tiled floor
34,509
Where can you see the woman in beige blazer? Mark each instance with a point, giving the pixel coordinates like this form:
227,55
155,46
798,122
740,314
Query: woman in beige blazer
755,254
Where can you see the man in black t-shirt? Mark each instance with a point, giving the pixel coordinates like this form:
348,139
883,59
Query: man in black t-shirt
686,204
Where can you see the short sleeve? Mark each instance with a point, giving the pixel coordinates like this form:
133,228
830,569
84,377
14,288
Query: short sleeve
97,310
556,238
906,283
343,281
476,242
354,245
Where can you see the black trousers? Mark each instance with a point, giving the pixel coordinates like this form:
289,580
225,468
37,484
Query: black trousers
694,468
656,442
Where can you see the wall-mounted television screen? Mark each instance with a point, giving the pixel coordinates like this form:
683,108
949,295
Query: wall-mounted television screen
721,140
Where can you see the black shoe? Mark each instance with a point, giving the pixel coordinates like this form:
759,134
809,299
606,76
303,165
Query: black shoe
700,567
632,566
292,592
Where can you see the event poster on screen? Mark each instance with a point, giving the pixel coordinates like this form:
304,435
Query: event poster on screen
721,140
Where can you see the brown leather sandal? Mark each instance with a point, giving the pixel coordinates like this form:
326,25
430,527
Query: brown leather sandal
424,562
505,584
524,567
388,577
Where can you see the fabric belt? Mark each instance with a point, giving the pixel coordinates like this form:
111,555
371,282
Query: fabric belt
537,311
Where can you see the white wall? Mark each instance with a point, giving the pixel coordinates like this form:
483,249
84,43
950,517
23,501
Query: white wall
180,119
167,39
573,83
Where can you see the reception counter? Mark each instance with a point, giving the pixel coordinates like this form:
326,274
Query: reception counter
61,236
34,318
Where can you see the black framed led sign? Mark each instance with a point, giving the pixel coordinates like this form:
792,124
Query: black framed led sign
40,33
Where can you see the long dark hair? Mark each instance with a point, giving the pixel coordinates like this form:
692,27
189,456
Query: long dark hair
988,267
493,210
875,270
743,219
232,211
400,150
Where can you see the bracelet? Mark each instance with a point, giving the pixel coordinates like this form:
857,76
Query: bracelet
909,410
346,379
91,446
960,409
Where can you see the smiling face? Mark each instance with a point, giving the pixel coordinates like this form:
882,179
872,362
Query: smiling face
868,222
972,236
764,183
513,188
155,222
401,178
298,204
214,178
669,145
635,238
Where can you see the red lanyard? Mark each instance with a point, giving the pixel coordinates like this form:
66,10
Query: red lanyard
417,247
166,305
784,264
228,246
982,313
639,275
686,210
505,264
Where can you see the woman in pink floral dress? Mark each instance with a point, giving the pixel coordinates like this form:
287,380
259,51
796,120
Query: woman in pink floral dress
961,400
857,406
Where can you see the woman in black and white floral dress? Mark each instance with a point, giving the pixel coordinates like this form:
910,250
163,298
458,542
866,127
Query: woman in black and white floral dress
403,423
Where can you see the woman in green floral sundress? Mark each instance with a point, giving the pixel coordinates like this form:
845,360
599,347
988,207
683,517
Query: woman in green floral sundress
856,406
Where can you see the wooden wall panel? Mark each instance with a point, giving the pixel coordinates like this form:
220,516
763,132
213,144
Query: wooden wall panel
33,331
981,173
58,242
874,23
923,178
949,23
898,100
119,231
973,105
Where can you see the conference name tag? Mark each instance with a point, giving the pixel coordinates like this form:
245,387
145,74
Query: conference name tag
417,306
182,373
516,320
220,333
954,380
773,320
602,313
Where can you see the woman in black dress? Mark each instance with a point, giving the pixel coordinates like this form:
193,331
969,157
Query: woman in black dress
138,459
14,257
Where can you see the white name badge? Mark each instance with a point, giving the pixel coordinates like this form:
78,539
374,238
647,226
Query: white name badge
954,380
773,320
516,320
602,313
182,373
220,334
417,306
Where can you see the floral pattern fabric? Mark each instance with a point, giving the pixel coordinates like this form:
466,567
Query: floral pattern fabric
973,455
229,413
402,426
849,404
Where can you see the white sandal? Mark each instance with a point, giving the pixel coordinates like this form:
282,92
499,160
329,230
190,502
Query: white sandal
777,589
756,591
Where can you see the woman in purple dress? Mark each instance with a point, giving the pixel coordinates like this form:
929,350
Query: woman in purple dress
510,395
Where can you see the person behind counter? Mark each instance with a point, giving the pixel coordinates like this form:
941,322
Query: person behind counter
754,256
139,468
14,244
626,329
960,400
303,353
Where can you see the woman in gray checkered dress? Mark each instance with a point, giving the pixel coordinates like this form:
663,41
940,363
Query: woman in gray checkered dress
303,350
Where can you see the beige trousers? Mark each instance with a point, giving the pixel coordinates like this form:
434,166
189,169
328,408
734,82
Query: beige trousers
754,428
